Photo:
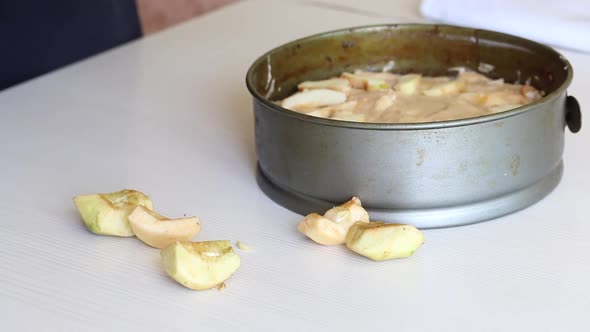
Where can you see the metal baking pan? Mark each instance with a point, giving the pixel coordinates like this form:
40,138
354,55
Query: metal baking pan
428,174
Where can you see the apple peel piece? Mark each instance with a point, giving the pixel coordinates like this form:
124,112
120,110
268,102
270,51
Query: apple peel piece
242,246
221,287
200,265
381,241
159,231
106,214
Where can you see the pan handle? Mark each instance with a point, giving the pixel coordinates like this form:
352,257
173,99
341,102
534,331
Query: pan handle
573,115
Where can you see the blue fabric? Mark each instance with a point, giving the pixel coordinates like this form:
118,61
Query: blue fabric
37,36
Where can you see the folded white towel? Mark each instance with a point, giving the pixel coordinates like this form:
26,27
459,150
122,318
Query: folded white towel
562,23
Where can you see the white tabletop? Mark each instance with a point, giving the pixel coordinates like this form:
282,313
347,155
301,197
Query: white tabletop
170,115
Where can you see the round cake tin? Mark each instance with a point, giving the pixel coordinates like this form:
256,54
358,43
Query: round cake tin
433,174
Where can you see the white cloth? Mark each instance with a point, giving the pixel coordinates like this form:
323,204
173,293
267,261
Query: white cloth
561,23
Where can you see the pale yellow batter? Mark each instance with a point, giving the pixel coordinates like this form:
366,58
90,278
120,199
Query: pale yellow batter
390,98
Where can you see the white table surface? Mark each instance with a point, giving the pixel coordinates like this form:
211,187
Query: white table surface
170,115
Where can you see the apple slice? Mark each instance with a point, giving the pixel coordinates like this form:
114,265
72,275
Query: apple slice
331,229
376,84
384,102
348,213
505,97
408,84
321,230
380,241
329,111
200,265
159,231
530,93
445,89
356,81
322,112
106,214
365,80
314,98
337,84
383,75
476,98
348,116
472,77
